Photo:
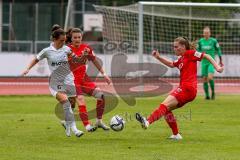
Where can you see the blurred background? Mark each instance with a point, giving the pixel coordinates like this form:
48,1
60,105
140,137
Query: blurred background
25,24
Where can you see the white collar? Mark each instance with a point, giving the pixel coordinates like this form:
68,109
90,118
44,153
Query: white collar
53,48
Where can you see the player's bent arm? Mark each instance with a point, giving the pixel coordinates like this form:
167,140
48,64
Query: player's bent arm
32,63
221,62
100,68
213,62
165,61
217,47
219,52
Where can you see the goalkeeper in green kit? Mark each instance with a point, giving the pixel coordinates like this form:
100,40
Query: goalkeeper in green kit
210,46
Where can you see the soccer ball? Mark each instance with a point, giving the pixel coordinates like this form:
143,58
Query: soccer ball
117,123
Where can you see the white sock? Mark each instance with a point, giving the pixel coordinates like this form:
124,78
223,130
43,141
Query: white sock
69,116
74,127
88,127
99,120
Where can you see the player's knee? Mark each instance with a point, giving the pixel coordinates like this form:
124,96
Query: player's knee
205,79
210,78
72,101
80,100
98,94
82,108
61,97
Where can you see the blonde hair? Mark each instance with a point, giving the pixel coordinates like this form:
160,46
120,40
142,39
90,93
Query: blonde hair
76,30
184,41
207,27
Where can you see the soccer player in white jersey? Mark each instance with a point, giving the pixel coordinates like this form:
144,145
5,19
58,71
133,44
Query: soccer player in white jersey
61,82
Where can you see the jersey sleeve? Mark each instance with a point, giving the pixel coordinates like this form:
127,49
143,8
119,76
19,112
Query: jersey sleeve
176,63
41,55
217,47
194,55
68,50
197,56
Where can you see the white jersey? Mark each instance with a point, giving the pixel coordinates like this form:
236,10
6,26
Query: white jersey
58,64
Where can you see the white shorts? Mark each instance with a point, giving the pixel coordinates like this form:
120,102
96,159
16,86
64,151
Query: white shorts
59,86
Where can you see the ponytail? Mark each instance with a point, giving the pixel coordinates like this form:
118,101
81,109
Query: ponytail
184,41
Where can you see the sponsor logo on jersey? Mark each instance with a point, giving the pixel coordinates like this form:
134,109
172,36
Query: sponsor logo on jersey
59,63
180,66
207,47
178,90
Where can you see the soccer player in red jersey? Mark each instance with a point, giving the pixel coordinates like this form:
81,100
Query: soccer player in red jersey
83,83
187,89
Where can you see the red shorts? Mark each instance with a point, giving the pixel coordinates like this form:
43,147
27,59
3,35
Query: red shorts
84,85
184,94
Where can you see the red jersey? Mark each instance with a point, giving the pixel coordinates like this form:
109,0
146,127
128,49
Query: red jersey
187,64
79,70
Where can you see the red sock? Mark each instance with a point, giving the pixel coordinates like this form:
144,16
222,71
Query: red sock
83,114
100,108
157,114
170,119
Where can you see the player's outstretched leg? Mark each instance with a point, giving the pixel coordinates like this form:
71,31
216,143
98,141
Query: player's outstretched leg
100,109
157,114
162,110
142,120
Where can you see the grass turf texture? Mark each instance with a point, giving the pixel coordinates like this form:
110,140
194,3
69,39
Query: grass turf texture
29,129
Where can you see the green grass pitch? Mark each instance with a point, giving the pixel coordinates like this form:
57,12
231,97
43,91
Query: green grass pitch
30,130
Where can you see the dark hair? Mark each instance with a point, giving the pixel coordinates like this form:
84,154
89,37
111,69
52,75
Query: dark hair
57,33
55,27
69,33
184,41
